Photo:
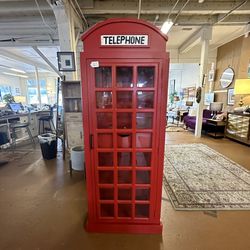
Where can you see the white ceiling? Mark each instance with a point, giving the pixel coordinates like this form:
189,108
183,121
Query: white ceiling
22,26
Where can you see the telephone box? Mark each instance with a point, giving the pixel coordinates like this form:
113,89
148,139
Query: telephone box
124,68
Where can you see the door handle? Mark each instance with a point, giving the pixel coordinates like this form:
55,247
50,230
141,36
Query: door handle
91,141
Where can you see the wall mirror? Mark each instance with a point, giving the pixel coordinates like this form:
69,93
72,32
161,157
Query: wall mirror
227,77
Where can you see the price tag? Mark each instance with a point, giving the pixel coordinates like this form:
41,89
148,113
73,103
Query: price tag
94,64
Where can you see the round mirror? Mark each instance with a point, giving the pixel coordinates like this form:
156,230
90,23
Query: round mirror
227,77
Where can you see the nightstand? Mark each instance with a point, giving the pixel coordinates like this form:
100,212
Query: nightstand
215,128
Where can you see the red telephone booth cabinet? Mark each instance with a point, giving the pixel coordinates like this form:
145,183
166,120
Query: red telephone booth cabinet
124,88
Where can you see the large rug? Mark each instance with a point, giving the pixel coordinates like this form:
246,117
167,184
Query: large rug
197,177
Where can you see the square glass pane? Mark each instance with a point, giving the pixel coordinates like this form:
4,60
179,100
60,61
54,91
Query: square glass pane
145,99
145,77
143,177
142,210
142,194
107,210
104,120
105,140
124,77
103,100
125,194
124,210
125,177
106,177
124,159
124,99
144,120
124,120
124,140
105,159
143,159
106,193
143,140
103,77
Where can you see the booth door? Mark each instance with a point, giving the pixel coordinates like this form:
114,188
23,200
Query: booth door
123,114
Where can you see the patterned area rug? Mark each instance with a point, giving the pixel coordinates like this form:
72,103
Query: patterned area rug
175,129
197,177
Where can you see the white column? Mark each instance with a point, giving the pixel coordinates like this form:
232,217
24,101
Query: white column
38,86
206,36
66,18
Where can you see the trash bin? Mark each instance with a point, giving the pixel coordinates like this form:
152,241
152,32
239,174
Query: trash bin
48,145
77,158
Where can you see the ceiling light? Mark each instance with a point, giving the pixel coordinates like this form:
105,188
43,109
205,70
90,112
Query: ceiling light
166,26
18,70
201,1
13,69
11,74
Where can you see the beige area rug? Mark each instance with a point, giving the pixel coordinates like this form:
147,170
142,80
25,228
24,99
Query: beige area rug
174,128
197,177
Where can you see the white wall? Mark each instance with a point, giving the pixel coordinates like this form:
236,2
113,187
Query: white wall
184,74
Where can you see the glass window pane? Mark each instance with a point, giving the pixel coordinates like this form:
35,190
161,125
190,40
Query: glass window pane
103,77
124,158
124,77
143,159
142,194
124,210
105,140
106,193
124,120
142,177
106,177
107,210
125,194
142,210
145,99
124,99
144,120
124,140
105,159
145,77
125,177
144,140
104,120
103,100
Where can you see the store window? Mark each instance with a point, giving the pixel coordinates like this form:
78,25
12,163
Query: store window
33,92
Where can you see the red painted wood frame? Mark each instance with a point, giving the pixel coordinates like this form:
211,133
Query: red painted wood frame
124,110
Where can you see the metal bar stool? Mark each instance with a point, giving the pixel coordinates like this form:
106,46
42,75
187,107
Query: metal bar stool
46,119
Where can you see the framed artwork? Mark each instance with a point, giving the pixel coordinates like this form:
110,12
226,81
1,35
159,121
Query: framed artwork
230,97
66,61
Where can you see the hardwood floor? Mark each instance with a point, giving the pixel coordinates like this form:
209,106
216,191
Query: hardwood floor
41,207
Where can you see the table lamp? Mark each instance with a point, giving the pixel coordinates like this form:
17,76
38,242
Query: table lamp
242,87
189,104
216,107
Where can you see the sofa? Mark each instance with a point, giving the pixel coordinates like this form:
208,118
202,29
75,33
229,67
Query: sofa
190,120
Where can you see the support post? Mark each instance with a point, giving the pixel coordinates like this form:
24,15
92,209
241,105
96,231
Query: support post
203,69
65,18
38,87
